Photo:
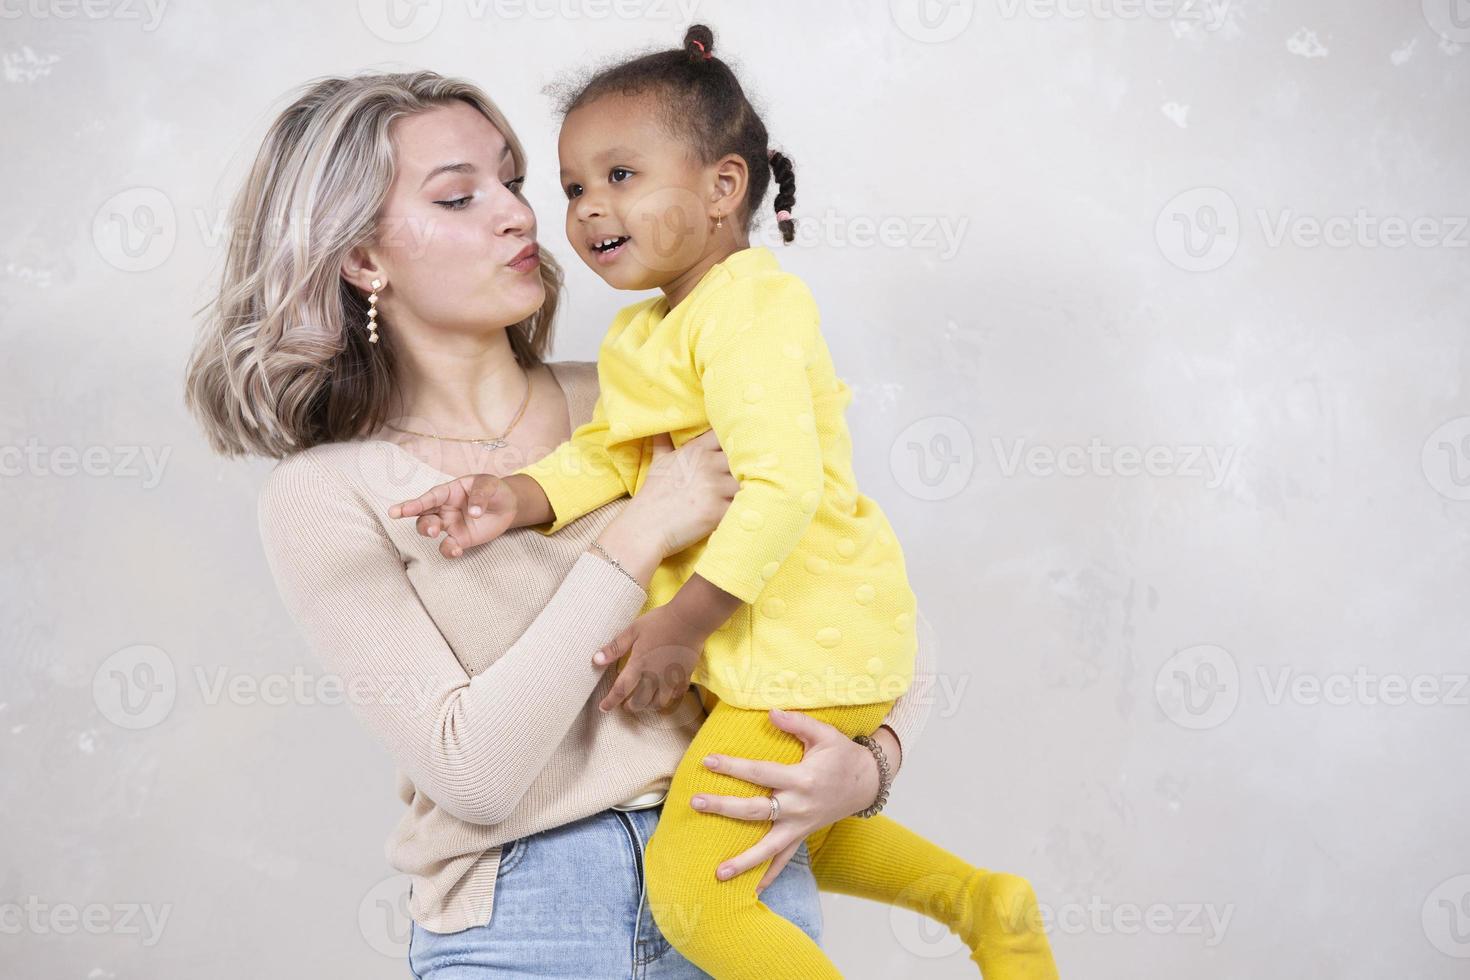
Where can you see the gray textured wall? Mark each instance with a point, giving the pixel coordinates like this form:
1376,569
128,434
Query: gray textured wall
1156,315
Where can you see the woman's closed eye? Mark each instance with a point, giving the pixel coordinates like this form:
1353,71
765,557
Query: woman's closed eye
513,185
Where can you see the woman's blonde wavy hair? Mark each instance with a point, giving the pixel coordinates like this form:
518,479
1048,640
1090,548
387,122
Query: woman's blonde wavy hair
282,361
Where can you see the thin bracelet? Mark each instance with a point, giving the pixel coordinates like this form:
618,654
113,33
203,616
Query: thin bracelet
885,774
615,563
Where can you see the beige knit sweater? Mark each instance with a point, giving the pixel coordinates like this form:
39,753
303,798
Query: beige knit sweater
476,673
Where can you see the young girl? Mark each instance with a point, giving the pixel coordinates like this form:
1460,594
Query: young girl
798,600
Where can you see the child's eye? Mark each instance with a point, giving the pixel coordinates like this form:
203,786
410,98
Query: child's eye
515,184
574,190
619,174
458,204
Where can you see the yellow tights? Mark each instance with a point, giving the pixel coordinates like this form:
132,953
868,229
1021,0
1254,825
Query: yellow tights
723,927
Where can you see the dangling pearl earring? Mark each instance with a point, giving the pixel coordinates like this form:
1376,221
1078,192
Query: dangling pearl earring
719,221
373,312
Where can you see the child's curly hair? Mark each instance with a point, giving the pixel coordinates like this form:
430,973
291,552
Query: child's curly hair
703,101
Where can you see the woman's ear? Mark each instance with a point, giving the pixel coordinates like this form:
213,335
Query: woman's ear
732,177
360,268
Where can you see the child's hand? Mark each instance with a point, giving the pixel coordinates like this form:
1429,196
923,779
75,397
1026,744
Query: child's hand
471,510
664,652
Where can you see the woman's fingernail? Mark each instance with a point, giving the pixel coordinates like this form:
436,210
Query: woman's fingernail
597,658
712,761
698,803
475,511
725,872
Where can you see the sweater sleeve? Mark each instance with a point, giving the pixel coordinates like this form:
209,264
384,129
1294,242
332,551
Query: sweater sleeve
910,713
473,745
580,475
751,357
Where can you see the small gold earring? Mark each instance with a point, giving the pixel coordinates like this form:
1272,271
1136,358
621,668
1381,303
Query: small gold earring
373,312
719,221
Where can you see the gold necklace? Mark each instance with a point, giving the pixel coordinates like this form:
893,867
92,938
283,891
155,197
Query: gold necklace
493,442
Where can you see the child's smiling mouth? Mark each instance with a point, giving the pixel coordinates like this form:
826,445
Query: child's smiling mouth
607,249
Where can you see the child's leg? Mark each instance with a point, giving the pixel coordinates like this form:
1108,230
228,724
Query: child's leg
721,926
994,913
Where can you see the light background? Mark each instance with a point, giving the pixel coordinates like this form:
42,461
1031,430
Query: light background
1077,224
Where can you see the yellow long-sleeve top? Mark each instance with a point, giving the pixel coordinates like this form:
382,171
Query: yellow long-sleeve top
828,616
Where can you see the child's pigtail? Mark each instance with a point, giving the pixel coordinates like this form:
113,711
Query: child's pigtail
785,176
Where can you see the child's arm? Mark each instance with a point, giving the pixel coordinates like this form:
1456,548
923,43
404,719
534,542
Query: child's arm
751,355
575,478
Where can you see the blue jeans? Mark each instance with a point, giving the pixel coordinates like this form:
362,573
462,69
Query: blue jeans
570,902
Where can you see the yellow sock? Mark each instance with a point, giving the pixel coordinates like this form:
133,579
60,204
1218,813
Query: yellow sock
995,914
723,927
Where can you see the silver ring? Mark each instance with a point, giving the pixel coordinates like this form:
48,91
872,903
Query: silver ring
775,808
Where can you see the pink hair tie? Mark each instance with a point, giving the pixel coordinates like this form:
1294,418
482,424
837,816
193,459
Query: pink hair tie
783,215
700,45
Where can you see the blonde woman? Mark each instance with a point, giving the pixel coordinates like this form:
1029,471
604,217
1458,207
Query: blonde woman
383,303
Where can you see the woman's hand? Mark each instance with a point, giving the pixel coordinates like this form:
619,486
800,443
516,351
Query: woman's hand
686,492
836,778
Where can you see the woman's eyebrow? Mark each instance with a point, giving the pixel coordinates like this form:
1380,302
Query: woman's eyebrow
459,168
449,168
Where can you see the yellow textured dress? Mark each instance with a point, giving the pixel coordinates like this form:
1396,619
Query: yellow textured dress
828,616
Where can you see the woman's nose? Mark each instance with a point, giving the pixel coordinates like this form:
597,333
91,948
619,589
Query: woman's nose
516,216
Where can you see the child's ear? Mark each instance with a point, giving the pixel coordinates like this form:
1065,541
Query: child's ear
732,177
